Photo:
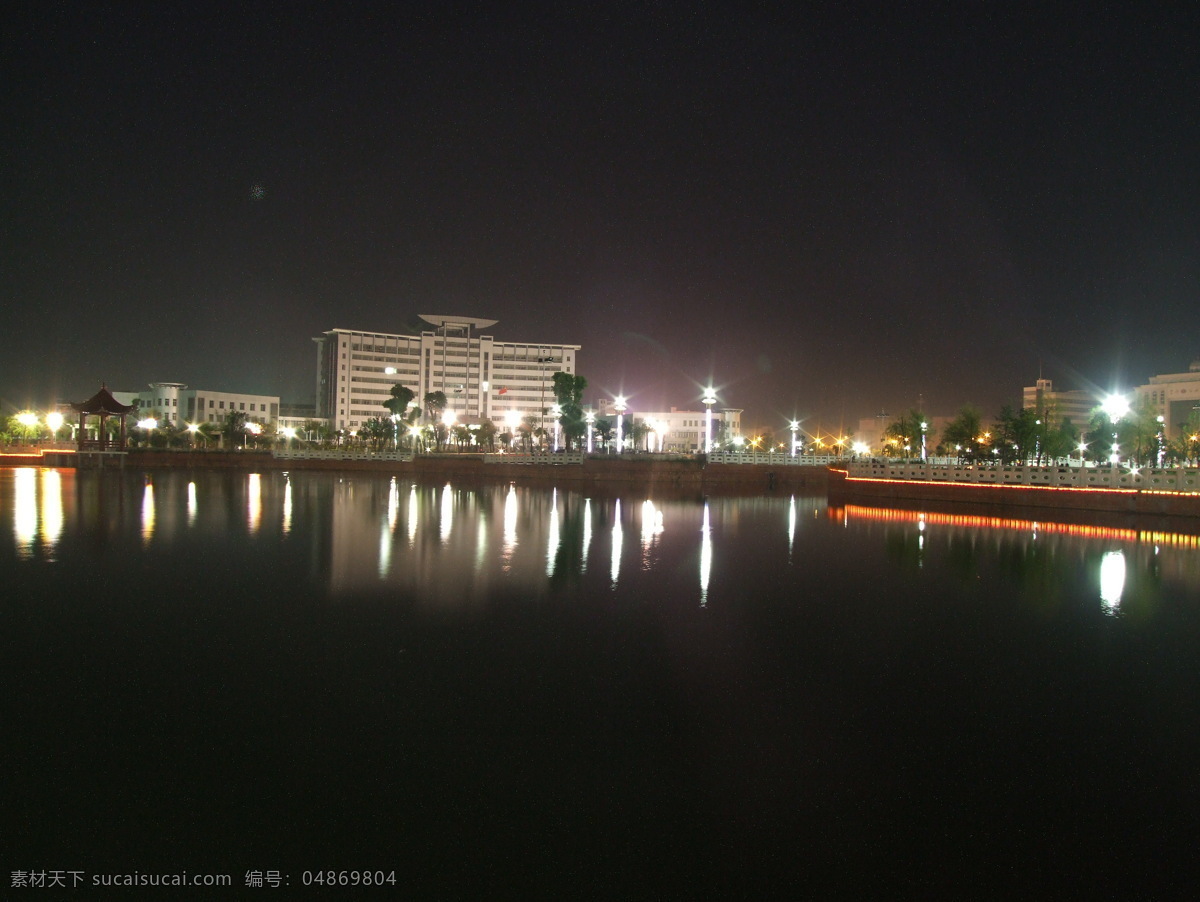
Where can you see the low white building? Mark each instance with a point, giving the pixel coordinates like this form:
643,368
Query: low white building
676,430
175,403
1076,405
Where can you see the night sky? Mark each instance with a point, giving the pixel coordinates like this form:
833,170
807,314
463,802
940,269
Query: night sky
827,210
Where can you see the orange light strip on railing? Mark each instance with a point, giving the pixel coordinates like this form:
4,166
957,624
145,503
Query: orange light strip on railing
972,521
1010,485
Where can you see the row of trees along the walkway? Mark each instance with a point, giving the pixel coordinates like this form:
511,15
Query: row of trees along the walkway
402,426
1026,436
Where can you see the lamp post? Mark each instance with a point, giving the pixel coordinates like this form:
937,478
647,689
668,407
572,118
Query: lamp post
924,427
1115,406
591,425
557,411
709,399
620,407
794,425
54,421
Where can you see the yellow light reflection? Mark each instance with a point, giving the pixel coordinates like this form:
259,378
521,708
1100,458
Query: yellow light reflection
510,526
147,513
587,531
791,524
552,543
254,501
52,508
1112,581
706,555
413,508
617,538
393,510
25,515
191,503
652,524
287,505
447,513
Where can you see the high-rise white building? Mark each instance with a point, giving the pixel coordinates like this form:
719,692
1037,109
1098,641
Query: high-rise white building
482,378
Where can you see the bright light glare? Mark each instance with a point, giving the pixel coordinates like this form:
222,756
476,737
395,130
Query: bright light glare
148,423
1115,406
54,421
288,432
28,420
448,417
860,448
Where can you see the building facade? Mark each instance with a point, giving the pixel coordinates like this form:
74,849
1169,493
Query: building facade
1175,396
675,430
175,403
481,378
1056,406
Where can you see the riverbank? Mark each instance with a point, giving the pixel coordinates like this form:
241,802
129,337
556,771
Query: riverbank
844,487
651,472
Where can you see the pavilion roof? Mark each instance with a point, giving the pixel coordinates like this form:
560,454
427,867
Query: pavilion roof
102,402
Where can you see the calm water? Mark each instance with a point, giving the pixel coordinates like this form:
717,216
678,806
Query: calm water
495,687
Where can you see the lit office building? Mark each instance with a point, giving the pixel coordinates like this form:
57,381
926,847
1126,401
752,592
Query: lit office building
481,378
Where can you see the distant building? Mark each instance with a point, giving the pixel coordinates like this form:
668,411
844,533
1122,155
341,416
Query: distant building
1175,395
482,378
680,431
1056,406
175,403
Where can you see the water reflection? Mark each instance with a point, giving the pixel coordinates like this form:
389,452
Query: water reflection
147,512
617,536
254,501
1112,581
347,532
553,540
25,515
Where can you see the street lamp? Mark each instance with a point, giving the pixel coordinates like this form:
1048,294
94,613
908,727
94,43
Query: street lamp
709,399
794,425
924,427
1115,406
591,425
251,428
620,407
557,411
54,420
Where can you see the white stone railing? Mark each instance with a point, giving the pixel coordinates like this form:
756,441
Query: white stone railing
773,458
339,454
1169,479
535,457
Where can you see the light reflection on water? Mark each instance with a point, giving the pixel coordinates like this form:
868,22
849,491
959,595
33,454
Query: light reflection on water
465,545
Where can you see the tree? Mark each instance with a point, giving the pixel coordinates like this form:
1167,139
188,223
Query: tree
568,393
905,434
486,436
961,433
398,407
604,431
435,406
638,431
377,431
235,427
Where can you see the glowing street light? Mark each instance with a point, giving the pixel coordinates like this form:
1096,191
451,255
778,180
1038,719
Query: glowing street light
557,411
591,426
794,425
709,399
1115,407
54,420
924,427
620,407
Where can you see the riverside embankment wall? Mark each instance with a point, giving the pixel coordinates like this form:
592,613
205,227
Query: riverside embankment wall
1122,501
644,471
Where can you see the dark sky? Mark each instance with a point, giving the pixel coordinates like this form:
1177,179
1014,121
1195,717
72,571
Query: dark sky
827,210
